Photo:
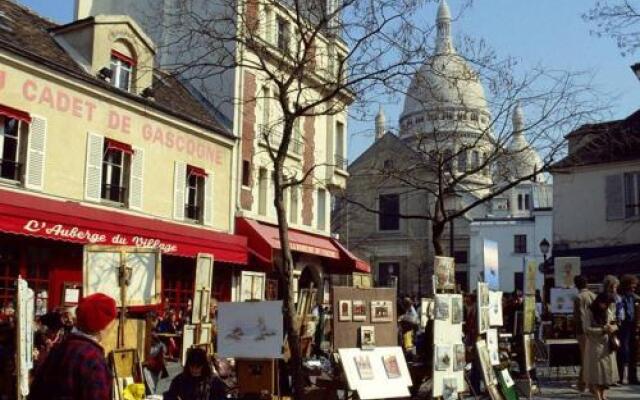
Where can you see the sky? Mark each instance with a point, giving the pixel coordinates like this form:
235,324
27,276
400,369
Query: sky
547,32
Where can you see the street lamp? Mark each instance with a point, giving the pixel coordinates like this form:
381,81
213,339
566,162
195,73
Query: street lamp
636,69
544,249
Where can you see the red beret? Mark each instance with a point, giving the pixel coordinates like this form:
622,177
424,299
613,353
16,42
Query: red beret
95,312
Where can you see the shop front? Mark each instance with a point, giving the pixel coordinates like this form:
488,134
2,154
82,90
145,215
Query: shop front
42,239
318,261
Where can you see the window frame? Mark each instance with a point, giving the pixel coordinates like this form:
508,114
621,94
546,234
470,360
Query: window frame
107,172
119,63
283,34
520,244
20,138
631,194
199,196
382,215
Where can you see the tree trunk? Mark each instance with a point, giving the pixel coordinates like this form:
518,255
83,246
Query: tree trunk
437,228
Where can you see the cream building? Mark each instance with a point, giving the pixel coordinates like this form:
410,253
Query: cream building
245,97
99,146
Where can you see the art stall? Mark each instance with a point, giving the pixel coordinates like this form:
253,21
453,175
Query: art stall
365,337
131,276
493,343
559,333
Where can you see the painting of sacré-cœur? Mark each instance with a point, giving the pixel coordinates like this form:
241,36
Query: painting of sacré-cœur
250,330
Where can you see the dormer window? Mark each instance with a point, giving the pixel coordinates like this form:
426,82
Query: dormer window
122,67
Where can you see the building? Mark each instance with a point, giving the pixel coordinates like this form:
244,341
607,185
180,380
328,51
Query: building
445,112
246,99
596,198
518,219
97,146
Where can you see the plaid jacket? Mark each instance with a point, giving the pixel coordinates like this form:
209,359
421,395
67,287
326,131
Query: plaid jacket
74,370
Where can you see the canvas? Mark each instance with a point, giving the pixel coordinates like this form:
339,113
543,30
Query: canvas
528,352
442,307
250,330
450,388
530,277
492,346
188,340
381,311
205,334
456,309
359,310
485,363
445,273
391,366
363,365
344,312
529,318
459,357
495,308
562,300
483,295
566,268
491,271
204,272
443,357
367,337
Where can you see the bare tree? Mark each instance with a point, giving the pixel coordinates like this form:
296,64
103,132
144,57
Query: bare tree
619,20
319,58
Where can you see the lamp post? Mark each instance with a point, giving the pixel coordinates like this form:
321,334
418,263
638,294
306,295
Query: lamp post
544,249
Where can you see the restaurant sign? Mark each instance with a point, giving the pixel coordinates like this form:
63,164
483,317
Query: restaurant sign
83,235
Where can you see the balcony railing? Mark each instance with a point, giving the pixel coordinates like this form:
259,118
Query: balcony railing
340,161
192,211
114,193
10,169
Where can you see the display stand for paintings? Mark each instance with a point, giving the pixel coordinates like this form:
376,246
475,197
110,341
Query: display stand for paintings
257,377
126,368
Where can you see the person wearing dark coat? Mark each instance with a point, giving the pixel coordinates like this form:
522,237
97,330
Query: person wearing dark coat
76,368
196,382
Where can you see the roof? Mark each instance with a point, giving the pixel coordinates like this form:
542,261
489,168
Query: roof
27,34
601,143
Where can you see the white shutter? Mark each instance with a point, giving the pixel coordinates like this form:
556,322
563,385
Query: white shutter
614,192
207,209
135,180
93,174
179,186
37,141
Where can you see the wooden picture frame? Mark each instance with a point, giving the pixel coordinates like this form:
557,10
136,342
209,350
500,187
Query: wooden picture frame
71,293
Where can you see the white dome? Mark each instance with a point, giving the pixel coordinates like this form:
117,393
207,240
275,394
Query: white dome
445,81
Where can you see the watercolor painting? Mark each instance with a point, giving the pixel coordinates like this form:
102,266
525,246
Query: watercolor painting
391,366
344,313
359,310
442,307
456,309
381,311
459,357
363,365
443,357
445,273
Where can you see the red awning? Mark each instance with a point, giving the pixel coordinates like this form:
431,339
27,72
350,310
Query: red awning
263,239
15,114
191,170
115,145
71,221
123,57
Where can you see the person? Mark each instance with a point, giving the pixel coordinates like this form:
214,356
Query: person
49,335
197,381
409,322
600,369
76,368
581,305
628,346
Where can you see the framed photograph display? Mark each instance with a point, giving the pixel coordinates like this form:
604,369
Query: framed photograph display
444,273
367,337
459,357
381,373
443,357
442,307
359,310
483,307
381,311
100,273
495,308
565,269
456,309
491,271
344,312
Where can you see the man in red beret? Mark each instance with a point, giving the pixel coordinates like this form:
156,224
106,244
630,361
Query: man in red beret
76,368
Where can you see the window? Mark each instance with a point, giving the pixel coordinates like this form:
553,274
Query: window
388,273
475,159
520,244
283,35
462,161
447,160
115,171
252,285
632,195
322,206
262,191
340,159
10,148
389,216
293,205
527,202
121,70
194,199
246,173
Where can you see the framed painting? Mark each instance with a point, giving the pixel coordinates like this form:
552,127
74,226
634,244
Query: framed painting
381,311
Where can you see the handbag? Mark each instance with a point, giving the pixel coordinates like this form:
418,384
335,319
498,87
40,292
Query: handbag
614,342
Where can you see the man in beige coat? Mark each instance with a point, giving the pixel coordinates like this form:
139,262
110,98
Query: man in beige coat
581,305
